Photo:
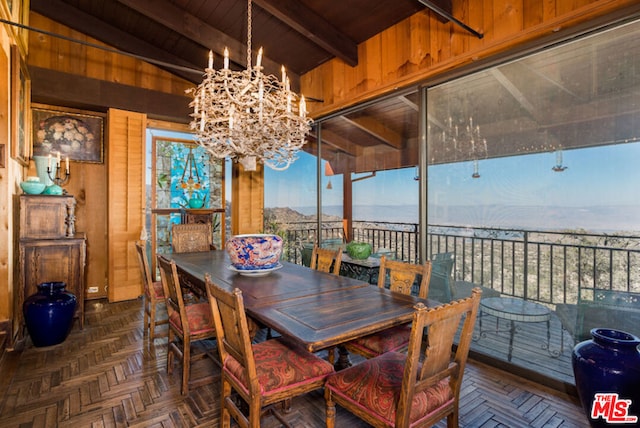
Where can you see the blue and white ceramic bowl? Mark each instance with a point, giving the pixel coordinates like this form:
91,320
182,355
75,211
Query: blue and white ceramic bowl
254,252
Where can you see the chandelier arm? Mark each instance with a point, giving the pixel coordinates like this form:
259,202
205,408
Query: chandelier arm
249,30
248,115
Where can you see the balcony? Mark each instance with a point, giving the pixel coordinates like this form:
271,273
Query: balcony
547,269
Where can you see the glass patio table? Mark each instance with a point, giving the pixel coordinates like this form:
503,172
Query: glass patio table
514,310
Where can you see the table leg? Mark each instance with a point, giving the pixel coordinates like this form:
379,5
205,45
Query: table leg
343,359
548,334
512,332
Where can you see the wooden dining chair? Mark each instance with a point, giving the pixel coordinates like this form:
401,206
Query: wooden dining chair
401,276
153,293
264,373
415,389
326,260
189,324
190,238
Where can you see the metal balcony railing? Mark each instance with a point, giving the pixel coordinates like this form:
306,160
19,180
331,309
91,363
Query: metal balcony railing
545,267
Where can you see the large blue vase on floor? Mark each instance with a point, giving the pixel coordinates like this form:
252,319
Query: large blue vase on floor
607,374
49,314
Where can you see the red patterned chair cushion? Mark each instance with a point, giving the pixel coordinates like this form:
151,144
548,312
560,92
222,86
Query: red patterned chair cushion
280,367
389,340
157,290
199,316
374,386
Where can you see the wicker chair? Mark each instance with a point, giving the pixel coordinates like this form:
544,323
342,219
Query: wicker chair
416,389
263,374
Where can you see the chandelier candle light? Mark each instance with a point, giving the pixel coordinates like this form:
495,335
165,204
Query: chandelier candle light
247,115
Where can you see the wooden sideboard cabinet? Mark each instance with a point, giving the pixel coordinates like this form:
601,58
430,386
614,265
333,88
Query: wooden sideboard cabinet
49,249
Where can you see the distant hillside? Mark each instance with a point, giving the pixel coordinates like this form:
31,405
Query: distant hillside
285,215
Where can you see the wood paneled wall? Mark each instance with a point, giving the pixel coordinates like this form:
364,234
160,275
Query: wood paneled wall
422,47
88,182
62,55
247,190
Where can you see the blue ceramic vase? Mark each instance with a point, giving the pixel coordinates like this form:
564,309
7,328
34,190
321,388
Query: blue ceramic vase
49,314
607,374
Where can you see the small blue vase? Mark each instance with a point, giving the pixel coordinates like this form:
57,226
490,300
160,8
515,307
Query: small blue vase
49,314
606,365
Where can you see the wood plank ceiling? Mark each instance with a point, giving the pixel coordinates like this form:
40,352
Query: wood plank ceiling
536,105
301,34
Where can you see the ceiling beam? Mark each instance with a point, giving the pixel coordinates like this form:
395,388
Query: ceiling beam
413,106
516,93
339,142
72,90
74,18
311,25
377,130
175,18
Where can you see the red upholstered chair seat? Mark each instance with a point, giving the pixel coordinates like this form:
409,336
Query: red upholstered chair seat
393,339
199,317
157,290
262,374
374,387
402,277
189,324
279,367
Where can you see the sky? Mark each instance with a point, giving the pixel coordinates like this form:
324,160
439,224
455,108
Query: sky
605,176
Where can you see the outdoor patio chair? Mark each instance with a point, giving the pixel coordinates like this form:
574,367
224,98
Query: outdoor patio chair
444,288
415,389
619,310
401,276
153,293
262,374
440,286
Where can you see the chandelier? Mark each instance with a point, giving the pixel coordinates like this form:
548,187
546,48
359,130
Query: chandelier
247,115
463,141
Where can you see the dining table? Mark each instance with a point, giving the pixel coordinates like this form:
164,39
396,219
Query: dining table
317,310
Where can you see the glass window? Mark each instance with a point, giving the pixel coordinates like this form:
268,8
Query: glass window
291,204
183,182
531,187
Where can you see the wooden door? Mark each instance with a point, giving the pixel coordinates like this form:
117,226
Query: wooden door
126,202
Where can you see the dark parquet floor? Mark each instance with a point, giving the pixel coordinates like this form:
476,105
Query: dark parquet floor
109,375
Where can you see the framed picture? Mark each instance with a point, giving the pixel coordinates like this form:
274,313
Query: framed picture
73,133
19,10
20,95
